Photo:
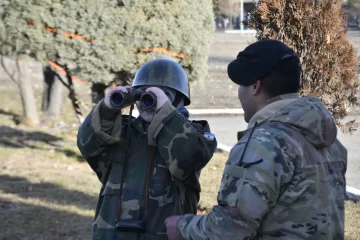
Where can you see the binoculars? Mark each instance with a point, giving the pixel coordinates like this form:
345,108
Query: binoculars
121,99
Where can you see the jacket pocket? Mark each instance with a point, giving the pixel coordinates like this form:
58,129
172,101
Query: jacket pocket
112,186
161,187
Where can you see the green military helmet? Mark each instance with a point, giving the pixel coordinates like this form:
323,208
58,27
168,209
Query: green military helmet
163,72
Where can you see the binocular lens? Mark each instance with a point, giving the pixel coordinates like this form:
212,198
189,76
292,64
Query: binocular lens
148,100
120,99
116,99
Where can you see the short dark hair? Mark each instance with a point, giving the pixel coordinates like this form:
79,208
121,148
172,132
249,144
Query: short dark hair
284,78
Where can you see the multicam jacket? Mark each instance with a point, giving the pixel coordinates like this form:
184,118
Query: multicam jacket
284,179
180,151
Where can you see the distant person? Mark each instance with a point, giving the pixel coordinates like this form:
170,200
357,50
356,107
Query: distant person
226,23
150,165
285,178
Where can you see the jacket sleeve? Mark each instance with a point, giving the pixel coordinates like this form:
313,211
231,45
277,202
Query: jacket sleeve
185,149
249,189
101,129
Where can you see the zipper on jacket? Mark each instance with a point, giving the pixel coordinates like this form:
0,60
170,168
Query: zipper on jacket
246,145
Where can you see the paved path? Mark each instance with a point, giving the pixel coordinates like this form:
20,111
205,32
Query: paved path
354,33
226,127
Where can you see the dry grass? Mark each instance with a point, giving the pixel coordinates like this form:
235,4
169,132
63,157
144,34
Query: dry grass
210,180
352,217
45,195
47,191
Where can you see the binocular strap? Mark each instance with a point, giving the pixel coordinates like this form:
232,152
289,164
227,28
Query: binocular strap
148,176
125,170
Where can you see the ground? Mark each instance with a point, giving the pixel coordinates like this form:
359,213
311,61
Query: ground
49,192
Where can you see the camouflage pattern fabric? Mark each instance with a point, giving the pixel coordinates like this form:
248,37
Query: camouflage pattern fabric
290,182
180,153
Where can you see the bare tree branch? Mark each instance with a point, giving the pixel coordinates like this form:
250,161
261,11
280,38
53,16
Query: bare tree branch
11,75
60,79
58,76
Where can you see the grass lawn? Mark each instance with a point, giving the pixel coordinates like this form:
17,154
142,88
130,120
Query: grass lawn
46,193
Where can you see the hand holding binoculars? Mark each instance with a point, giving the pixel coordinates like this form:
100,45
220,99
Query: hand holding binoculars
119,99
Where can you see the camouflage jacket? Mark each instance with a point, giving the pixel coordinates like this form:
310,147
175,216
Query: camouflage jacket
180,151
284,179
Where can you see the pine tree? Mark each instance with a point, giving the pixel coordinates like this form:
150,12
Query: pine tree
216,6
315,30
105,41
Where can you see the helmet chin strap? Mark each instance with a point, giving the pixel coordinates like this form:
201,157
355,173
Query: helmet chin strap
178,101
176,98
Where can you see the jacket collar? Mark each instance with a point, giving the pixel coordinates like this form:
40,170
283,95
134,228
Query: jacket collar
271,107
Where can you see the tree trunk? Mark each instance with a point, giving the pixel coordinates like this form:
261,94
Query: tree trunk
30,114
49,78
97,92
53,95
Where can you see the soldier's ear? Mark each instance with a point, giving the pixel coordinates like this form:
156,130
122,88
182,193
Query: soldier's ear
256,87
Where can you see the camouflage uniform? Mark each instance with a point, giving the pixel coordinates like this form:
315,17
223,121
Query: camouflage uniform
284,179
180,152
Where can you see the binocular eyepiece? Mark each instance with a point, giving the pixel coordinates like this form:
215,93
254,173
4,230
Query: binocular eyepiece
121,99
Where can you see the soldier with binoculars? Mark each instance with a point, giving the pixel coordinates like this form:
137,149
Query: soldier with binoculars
149,166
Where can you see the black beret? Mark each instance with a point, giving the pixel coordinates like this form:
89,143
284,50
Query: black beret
257,60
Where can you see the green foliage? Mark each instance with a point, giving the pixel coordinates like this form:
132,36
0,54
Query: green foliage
315,30
110,34
216,6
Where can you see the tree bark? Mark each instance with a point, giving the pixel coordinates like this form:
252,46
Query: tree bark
30,113
53,95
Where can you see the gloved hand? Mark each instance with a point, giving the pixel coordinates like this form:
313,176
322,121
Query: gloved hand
161,97
171,228
113,90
